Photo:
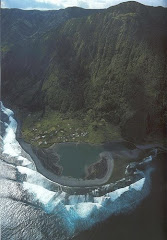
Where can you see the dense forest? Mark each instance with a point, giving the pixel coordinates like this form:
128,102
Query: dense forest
103,70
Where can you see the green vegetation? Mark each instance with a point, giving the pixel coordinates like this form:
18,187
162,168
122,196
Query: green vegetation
107,65
55,127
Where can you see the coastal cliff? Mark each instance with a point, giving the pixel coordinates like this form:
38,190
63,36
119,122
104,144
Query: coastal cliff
104,69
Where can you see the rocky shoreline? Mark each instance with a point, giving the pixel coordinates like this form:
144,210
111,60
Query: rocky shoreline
135,161
28,195
121,150
100,168
69,184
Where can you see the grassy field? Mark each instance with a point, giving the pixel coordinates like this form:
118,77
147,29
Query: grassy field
55,127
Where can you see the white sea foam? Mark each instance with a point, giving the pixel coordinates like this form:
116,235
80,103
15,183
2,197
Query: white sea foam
24,160
35,177
11,146
138,185
74,199
74,208
117,193
148,159
27,171
6,110
84,210
102,200
39,192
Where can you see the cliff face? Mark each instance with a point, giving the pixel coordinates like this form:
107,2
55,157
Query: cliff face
25,55
109,64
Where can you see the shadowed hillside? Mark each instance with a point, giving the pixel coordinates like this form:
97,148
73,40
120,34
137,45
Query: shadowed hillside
109,65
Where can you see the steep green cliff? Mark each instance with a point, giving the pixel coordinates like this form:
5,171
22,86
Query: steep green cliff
109,67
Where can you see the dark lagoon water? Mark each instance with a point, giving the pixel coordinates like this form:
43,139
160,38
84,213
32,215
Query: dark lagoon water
32,207
74,158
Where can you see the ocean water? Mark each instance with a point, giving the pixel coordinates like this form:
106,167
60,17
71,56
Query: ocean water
148,221
32,207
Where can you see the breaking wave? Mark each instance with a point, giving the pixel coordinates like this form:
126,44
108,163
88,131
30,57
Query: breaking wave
43,209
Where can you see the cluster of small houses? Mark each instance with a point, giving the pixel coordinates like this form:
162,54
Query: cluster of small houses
71,137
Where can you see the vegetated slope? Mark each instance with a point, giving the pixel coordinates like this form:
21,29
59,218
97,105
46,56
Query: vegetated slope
23,48
17,24
111,65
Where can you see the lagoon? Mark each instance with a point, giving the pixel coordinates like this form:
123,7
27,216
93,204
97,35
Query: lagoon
75,157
